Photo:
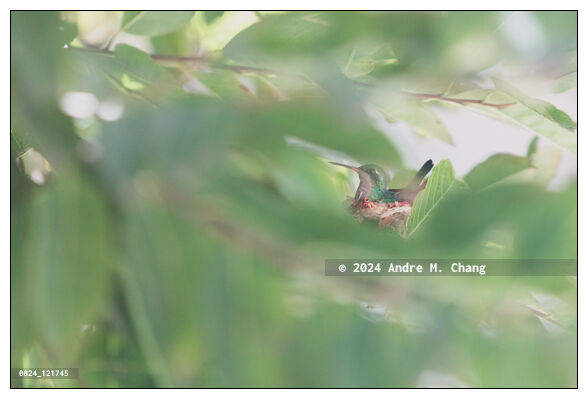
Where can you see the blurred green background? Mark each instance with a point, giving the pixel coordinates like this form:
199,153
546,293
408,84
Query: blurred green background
171,214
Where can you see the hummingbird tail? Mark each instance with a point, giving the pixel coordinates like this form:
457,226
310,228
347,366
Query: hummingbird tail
420,176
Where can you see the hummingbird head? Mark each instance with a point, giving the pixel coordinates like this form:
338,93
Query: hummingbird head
372,180
376,174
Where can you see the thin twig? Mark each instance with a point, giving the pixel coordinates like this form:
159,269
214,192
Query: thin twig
462,101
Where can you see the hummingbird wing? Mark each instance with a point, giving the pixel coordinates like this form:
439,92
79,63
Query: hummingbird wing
417,184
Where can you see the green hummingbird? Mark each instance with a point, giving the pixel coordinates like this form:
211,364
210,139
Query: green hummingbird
373,184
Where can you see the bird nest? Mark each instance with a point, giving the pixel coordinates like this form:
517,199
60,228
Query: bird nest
388,215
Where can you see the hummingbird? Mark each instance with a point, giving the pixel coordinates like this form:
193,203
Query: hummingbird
373,184
374,201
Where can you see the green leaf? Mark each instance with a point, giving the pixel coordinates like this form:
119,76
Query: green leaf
441,182
532,149
188,298
545,161
280,35
213,35
422,39
363,57
159,272
566,82
20,322
402,177
413,112
36,46
210,16
509,214
327,126
542,108
494,169
68,32
140,64
155,23
539,116
69,257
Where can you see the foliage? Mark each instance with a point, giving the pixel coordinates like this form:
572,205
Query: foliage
186,208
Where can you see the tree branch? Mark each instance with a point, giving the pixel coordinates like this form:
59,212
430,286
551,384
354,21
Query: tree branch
242,68
179,58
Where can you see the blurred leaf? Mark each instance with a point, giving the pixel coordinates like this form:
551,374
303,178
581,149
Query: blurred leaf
324,125
441,182
68,260
68,32
183,139
190,299
20,322
195,133
215,34
285,34
300,178
429,42
511,208
224,84
566,82
26,48
34,83
494,169
401,178
141,64
546,162
210,16
554,235
362,58
532,149
164,312
560,29
413,112
154,23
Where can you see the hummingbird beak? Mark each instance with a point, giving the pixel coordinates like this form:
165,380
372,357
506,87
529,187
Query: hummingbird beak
346,166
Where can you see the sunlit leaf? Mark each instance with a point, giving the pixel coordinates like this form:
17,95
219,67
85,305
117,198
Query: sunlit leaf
440,184
494,169
154,23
